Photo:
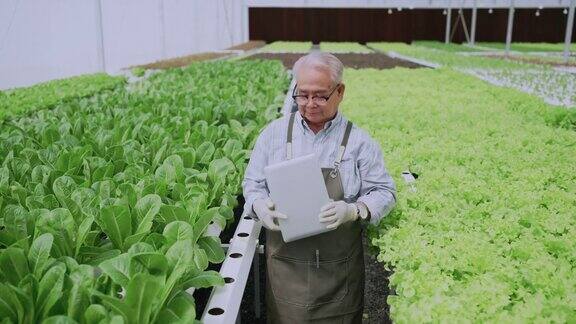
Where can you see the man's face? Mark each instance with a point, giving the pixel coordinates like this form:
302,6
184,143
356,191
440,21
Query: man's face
316,82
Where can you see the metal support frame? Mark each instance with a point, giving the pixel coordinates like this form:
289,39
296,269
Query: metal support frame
162,28
461,19
509,27
256,274
245,21
448,22
414,4
473,27
464,25
100,36
569,27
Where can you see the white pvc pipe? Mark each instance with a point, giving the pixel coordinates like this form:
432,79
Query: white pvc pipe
245,22
224,302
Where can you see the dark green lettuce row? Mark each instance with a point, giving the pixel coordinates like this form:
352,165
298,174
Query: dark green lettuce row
105,201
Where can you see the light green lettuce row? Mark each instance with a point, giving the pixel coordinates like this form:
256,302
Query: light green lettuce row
490,233
451,47
529,47
344,47
287,47
449,58
555,87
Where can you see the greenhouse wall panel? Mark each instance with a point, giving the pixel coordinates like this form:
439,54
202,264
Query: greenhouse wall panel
41,40
132,32
179,27
45,40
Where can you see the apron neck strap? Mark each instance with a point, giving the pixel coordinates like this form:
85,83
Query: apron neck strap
342,147
340,150
289,136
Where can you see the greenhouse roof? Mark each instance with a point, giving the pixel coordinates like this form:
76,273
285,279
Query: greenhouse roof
412,4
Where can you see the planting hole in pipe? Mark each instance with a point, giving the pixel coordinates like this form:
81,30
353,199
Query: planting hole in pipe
235,255
216,311
228,280
243,234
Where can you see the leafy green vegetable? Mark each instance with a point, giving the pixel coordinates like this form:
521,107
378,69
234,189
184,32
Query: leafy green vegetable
287,47
138,71
529,47
490,233
105,201
343,47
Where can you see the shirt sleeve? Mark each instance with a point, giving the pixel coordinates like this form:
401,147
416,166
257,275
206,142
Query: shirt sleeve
378,190
254,183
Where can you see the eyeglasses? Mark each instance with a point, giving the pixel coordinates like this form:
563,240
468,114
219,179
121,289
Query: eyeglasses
302,100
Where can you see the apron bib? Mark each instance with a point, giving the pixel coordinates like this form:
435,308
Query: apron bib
317,279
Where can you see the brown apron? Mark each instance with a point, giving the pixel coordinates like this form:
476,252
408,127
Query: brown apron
318,279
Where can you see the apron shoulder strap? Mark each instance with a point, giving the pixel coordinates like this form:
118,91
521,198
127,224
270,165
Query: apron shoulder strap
342,147
341,150
289,136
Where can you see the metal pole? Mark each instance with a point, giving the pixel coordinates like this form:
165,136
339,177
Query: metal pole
569,27
461,16
448,22
510,25
100,37
245,22
256,269
473,28
162,28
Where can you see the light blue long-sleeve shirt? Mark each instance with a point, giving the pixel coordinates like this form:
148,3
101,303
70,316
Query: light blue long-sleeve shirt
363,172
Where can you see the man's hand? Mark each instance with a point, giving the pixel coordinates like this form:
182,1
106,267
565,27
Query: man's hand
264,210
336,213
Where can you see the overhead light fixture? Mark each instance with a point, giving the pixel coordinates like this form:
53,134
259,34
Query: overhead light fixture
540,7
444,12
565,11
490,11
389,11
399,8
537,13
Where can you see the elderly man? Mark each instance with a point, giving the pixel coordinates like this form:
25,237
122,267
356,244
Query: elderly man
320,279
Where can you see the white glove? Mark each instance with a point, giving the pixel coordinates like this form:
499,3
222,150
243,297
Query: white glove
264,210
336,213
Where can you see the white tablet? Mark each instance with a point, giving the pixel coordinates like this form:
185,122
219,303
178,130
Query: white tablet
298,191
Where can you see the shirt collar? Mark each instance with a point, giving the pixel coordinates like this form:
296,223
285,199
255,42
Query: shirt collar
327,126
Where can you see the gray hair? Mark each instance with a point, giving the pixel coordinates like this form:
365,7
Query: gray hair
321,60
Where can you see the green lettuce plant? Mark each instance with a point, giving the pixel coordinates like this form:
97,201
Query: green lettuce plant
489,234
105,201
